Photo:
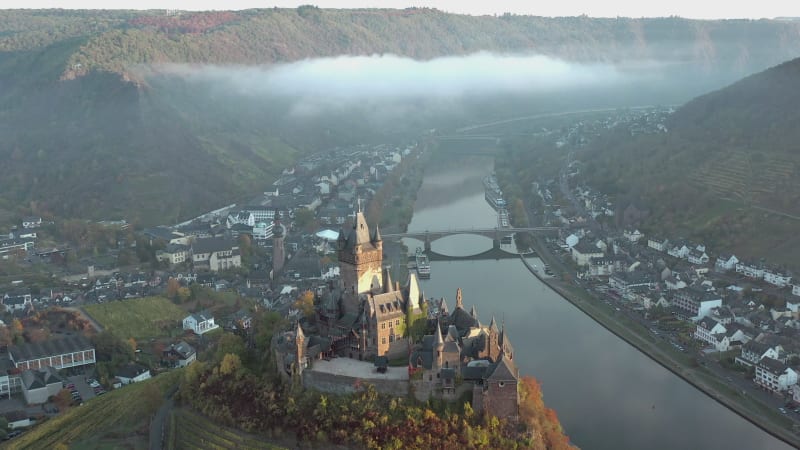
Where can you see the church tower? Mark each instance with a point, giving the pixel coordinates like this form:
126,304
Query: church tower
360,262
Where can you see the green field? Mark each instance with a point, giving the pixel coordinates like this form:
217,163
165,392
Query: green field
141,318
189,430
118,419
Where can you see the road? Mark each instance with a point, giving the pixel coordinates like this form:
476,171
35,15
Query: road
158,425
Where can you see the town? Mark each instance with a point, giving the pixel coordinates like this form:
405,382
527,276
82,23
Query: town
737,317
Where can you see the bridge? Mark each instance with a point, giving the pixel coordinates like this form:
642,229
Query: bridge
496,234
490,254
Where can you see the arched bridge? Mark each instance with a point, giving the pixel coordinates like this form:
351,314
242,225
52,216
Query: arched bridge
496,234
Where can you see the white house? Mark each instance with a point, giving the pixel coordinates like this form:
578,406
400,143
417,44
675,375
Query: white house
706,330
657,244
200,323
774,376
31,222
696,302
697,257
796,290
750,270
679,250
132,373
632,235
777,278
754,351
182,354
216,254
582,253
173,254
725,263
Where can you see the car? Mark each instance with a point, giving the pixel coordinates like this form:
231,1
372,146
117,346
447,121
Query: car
782,410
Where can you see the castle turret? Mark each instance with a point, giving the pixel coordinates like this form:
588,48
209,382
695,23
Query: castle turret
459,300
360,260
438,347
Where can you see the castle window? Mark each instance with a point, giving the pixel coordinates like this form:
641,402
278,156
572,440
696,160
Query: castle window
501,384
383,326
383,340
397,322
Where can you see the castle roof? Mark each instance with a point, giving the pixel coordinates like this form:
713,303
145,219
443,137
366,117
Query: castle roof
438,342
503,370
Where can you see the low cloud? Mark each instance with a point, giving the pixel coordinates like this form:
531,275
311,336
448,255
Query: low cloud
326,85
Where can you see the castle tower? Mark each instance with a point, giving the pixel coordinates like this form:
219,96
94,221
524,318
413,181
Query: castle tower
459,299
438,348
278,251
360,260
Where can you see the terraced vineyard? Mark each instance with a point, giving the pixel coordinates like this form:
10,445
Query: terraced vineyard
745,177
189,430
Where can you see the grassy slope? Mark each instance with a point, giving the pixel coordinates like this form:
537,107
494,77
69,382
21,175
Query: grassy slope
118,419
141,318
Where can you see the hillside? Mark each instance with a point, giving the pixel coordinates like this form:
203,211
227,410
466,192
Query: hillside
741,192
90,130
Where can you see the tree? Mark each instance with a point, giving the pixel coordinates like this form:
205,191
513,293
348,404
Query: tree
304,218
172,288
132,343
305,303
231,364
184,294
229,344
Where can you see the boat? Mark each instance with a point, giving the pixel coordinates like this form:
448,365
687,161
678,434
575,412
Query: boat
493,194
423,265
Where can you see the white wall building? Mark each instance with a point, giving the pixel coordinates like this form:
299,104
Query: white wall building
199,323
775,376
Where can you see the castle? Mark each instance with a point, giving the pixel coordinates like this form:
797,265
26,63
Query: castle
368,317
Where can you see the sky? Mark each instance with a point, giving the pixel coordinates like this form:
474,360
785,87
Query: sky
696,9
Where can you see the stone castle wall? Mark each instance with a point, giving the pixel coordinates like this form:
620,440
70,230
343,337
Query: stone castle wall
342,384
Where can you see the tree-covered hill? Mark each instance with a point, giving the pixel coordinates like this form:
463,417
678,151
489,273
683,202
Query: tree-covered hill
726,171
88,132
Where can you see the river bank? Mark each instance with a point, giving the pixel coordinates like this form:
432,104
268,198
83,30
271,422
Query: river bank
640,338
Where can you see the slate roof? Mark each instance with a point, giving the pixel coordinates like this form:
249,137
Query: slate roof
69,344
211,245
503,370
131,370
183,349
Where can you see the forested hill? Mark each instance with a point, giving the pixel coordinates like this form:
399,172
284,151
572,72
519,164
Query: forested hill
88,133
726,172
119,40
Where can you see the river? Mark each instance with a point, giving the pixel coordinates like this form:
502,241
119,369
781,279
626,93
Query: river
607,394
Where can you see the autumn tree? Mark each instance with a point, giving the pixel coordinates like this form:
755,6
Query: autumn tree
305,303
172,288
231,364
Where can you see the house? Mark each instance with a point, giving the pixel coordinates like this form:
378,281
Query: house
17,303
750,270
796,290
216,254
31,222
180,354
777,277
241,218
697,257
18,419
725,263
696,302
632,235
10,246
754,351
775,376
583,252
199,323
132,373
602,267
240,320
673,283
679,250
706,330
173,254
624,282
38,385
658,244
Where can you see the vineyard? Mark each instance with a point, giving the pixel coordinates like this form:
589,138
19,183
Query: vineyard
192,431
121,413
141,318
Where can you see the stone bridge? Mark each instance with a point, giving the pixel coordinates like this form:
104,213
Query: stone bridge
496,234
